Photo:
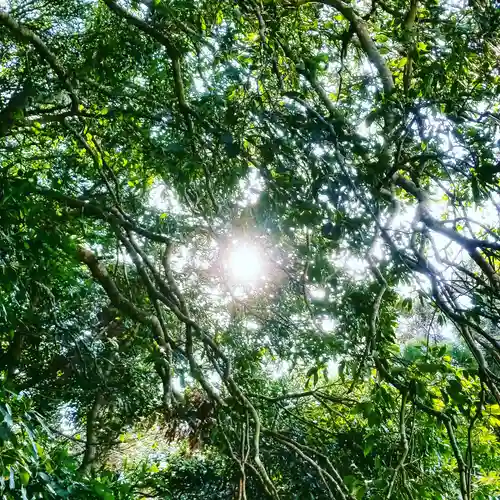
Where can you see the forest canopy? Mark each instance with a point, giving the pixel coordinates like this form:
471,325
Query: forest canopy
249,249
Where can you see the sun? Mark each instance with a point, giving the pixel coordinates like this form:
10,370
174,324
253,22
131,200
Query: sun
245,263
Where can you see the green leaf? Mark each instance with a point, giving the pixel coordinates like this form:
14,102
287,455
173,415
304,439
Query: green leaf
359,491
368,448
402,62
25,477
364,408
429,367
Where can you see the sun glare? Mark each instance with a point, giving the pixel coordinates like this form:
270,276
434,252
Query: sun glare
245,263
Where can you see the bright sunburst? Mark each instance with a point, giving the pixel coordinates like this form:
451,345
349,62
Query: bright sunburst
245,263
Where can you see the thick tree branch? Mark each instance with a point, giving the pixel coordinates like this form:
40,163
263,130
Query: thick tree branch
367,44
470,244
92,209
25,35
462,468
90,454
15,107
173,53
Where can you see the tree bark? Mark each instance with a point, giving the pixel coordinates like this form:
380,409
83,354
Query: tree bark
90,454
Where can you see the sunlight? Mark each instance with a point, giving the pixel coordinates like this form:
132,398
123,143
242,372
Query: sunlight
245,263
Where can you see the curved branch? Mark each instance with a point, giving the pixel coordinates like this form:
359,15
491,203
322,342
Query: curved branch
367,44
458,457
404,442
25,35
172,52
332,473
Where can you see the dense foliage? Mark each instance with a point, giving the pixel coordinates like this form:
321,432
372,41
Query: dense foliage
249,249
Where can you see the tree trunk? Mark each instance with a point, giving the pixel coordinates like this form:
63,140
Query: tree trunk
90,454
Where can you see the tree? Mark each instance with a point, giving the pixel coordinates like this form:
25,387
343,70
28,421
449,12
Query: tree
208,207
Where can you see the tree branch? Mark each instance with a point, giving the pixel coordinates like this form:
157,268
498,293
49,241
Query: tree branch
90,454
404,441
27,36
367,44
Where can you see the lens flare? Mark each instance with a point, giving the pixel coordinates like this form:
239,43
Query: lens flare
245,263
